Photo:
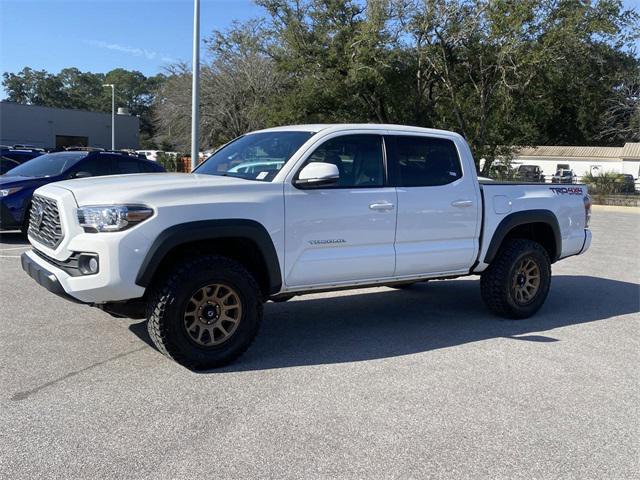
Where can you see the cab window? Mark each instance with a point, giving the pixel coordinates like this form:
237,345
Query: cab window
425,162
358,157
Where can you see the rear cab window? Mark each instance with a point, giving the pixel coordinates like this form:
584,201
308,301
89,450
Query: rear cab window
426,161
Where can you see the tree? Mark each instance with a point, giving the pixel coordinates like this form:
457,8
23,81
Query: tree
499,72
172,109
621,121
238,85
34,87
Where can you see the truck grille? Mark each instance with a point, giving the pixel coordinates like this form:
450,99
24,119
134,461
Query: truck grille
44,222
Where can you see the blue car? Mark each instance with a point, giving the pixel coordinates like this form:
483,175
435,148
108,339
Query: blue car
18,184
20,155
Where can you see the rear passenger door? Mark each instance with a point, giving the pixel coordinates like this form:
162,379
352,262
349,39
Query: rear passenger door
438,206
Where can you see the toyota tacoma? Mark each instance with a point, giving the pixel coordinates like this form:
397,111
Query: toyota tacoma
294,210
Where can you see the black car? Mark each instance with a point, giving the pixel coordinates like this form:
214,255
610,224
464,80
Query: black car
18,184
627,183
530,173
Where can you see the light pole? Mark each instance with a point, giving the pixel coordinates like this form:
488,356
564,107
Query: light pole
195,87
113,114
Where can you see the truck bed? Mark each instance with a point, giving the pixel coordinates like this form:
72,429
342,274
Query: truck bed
509,202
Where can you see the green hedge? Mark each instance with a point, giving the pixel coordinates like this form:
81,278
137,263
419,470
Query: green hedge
605,183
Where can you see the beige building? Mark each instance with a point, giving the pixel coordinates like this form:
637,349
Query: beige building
582,160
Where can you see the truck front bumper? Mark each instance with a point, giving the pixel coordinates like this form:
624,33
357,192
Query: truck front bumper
44,277
113,282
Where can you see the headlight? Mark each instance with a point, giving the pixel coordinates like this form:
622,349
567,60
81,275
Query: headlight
112,218
9,191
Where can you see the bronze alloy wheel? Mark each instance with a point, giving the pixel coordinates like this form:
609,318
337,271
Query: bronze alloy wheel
212,314
526,281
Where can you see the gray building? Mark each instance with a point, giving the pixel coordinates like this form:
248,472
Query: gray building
58,127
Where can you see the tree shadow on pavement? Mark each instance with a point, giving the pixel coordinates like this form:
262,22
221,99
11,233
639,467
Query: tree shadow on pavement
439,314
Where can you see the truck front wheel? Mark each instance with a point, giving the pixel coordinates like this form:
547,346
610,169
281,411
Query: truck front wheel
205,312
517,282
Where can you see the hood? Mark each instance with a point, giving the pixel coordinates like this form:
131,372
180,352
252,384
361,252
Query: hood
141,187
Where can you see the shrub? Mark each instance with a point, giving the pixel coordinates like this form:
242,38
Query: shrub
168,161
604,183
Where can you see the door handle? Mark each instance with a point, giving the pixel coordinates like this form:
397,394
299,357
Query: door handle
462,203
381,206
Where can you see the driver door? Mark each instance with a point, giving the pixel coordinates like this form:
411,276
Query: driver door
342,232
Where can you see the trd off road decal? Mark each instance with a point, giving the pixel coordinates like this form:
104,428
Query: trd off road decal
566,190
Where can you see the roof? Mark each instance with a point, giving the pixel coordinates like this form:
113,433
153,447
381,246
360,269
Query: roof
313,127
29,106
629,150
317,127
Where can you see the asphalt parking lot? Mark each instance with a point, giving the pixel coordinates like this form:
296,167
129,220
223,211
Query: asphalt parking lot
376,383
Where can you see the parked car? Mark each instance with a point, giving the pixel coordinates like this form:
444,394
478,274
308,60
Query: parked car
20,155
502,173
344,208
628,183
7,164
28,147
530,173
18,184
85,149
563,176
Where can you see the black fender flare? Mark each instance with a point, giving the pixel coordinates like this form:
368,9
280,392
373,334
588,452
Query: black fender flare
211,230
516,219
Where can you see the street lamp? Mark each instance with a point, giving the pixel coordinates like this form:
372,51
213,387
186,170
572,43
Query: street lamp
195,87
113,114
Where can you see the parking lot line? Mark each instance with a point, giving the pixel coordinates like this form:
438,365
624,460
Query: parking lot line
14,248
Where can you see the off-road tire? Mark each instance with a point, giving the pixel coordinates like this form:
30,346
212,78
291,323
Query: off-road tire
168,301
496,282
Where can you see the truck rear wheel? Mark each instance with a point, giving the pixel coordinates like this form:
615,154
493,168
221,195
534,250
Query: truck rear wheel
205,313
517,282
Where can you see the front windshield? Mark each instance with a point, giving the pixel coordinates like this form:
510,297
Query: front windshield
257,156
48,165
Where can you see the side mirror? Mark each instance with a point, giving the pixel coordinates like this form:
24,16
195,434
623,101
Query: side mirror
81,174
317,174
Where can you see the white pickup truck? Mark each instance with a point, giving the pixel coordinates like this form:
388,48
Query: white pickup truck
294,210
